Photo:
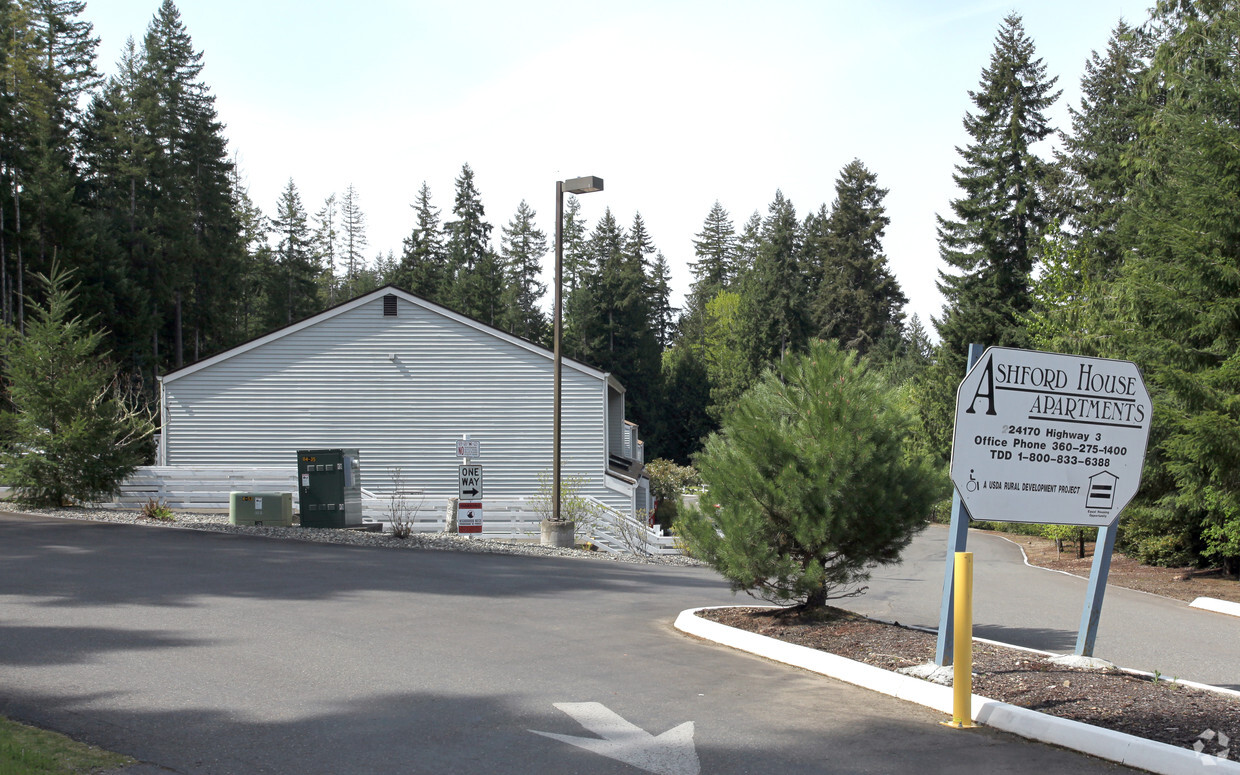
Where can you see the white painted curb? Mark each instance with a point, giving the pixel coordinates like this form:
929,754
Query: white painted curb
1104,743
1218,606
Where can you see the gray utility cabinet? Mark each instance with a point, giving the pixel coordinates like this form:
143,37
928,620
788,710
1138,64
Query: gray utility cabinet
329,487
246,508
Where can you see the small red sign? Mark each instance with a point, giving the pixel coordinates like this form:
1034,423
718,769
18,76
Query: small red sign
469,517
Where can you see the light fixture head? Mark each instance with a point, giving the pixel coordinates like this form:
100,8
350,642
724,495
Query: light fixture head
587,185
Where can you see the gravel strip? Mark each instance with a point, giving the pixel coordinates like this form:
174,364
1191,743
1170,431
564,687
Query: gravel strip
435,541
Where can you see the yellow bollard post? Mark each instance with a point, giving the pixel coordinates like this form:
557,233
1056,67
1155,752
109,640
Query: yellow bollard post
962,652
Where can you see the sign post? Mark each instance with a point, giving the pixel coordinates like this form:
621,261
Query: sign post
1054,439
957,539
469,490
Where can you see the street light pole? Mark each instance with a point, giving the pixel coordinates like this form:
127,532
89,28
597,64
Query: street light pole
583,185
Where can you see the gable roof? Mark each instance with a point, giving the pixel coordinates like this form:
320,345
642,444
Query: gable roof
366,298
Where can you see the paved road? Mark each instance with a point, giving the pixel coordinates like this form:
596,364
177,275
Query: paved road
208,653
1037,608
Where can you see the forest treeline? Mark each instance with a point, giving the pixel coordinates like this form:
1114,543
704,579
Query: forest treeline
1121,240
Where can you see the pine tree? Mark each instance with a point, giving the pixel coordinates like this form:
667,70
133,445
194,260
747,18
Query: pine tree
813,483
423,267
352,240
858,301
75,433
524,246
990,243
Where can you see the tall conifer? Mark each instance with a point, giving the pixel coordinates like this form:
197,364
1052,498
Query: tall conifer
989,243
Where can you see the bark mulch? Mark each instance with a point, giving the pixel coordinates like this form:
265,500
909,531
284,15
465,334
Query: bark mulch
1156,709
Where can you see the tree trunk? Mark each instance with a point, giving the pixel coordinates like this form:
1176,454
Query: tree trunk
816,600
178,344
21,269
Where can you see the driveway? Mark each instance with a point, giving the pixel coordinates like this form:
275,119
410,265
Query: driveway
1039,608
213,653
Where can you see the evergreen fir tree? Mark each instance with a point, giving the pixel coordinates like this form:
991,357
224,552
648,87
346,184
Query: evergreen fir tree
75,433
293,285
524,246
196,243
716,248
326,245
774,309
257,265
1178,290
684,422
1097,156
353,241
609,316
748,245
858,301
638,243
576,262
990,243
473,270
117,166
662,313
64,65
423,263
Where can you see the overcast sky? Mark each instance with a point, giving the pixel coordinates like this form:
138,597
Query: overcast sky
674,104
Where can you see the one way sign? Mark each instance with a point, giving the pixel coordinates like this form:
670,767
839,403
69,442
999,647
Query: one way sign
471,483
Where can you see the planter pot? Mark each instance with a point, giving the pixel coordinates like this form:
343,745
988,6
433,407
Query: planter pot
560,534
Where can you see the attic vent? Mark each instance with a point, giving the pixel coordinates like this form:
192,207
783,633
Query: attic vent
389,306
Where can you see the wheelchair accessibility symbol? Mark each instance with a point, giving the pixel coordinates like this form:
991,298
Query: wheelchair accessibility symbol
971,485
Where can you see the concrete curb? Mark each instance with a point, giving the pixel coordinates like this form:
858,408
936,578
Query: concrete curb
1105,744
1218,606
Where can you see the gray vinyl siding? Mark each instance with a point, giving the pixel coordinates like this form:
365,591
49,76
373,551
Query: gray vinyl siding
615,422
334,384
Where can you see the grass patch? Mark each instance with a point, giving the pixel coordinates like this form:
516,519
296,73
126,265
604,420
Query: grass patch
29,751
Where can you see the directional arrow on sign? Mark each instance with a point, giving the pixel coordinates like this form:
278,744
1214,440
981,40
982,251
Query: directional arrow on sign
471,492
671,753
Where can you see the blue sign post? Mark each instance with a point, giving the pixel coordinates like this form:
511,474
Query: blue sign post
957,537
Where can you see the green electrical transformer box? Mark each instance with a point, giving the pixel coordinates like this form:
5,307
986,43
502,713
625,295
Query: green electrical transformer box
272,509
329,486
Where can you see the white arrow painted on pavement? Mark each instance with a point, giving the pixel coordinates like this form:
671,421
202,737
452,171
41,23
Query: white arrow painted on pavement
671,753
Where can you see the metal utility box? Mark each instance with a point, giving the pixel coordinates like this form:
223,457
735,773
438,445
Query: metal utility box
272,509
329,487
